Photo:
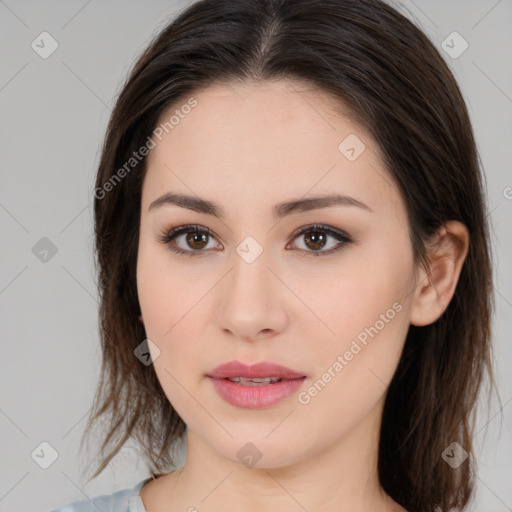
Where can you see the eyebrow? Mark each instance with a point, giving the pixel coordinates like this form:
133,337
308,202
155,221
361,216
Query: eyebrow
279,211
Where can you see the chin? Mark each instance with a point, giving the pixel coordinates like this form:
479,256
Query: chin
260,453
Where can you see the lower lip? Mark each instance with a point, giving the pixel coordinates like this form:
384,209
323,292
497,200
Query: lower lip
255,397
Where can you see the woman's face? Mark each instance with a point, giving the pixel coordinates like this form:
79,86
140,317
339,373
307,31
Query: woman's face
331,303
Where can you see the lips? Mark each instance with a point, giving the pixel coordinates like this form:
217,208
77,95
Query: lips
263,370
257,386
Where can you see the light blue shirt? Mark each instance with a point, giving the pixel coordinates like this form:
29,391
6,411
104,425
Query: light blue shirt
125,500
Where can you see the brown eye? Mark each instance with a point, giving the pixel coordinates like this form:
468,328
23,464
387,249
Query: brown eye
197,240
315,240
316,237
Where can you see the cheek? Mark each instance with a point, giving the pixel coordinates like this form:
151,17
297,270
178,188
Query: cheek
165,304
173,306
367,296
164,295
152,288
366,307
353,295
352,371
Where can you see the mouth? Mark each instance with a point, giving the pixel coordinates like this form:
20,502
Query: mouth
245,381
262,373
256,386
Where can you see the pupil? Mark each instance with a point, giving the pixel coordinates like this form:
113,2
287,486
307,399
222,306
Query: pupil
317,239
197,238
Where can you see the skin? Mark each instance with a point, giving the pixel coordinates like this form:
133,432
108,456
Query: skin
248,147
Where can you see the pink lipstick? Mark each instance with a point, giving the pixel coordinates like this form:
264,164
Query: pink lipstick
255,386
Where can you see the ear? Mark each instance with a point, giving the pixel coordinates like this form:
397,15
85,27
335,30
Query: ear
436,285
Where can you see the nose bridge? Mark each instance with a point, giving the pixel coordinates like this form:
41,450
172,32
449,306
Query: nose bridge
252,301
249,280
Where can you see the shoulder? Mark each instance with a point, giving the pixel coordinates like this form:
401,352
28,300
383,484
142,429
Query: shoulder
125,500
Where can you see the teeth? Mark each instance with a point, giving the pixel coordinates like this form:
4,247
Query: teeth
254,381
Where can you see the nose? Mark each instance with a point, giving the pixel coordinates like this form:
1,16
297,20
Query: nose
252,303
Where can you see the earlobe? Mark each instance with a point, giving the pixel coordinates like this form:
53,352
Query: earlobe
435,287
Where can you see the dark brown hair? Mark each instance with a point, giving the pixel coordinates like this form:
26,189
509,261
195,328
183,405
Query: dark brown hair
393,80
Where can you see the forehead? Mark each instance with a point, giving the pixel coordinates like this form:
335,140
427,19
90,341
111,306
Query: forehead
267,139
267,108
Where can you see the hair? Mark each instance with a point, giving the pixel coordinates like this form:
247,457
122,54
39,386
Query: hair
384,69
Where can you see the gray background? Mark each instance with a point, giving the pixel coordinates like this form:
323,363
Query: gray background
54,114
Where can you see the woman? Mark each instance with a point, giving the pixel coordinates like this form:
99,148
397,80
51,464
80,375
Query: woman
293,265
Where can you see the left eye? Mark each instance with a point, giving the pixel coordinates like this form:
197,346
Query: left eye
315,237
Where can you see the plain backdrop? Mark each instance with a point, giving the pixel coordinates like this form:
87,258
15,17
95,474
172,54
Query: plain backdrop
54,112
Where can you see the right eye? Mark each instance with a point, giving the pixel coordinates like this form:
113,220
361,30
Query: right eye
196,238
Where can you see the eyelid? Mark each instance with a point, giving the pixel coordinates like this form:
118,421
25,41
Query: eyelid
170,234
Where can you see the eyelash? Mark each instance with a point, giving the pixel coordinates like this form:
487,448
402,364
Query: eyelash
169,236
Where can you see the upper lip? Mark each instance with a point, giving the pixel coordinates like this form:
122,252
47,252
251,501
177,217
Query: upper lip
258,370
